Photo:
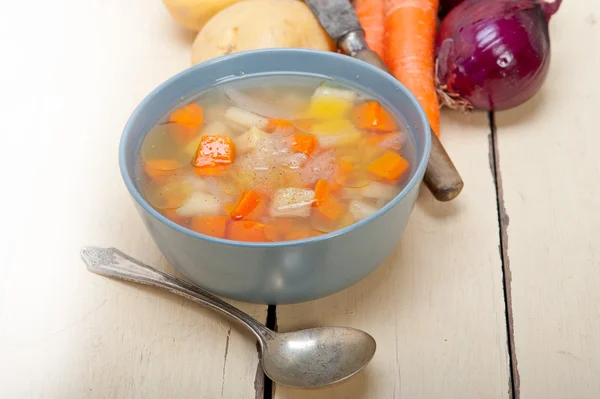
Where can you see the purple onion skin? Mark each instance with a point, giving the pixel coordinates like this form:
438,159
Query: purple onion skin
494,54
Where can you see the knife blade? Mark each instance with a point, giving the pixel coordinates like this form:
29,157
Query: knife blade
339,20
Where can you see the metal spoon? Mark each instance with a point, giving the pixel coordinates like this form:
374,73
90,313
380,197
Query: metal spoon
309,358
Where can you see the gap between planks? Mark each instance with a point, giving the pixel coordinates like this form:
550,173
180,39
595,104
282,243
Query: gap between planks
263,385
503,220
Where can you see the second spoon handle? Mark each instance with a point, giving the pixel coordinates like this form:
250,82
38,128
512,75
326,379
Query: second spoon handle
111,262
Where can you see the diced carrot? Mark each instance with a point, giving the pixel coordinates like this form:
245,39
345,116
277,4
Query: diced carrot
331,208
344,170
321,192
211,171
191,115
214,226
390,165
247,230
271,233
248,202
305,143
282,125
278,228
158,168
173,216
372,116
214,151
301,233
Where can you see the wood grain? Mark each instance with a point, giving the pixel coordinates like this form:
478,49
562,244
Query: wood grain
79,70
435,307
550,171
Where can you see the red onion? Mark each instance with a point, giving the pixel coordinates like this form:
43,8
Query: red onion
446,6
493,54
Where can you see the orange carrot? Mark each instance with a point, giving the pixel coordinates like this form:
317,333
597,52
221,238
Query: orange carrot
301,233
214,226
214,151
278,228
372,116
246,230
173,216
279,124
158,168
331,208
211,171
410,29
389,166
321,192
191,115
248,202
370,14
305,143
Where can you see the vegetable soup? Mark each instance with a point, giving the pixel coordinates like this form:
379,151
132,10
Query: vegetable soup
277,158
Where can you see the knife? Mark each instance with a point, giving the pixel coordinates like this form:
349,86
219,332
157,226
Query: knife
339,20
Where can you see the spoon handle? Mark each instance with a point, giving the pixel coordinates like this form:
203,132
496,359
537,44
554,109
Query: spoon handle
111,262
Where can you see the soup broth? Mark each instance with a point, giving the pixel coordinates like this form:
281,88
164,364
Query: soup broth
277,158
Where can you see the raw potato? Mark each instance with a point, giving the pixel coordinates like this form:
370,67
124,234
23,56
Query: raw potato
257,24
193,14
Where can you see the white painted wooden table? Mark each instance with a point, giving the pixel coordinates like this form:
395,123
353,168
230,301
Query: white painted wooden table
495,295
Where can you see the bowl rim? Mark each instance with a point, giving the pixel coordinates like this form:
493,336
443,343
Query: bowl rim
139,198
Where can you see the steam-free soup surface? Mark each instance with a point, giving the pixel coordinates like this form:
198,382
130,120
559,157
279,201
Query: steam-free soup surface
274,159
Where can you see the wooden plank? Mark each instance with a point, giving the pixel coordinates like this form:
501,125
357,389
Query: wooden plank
435,307
550,174
64,332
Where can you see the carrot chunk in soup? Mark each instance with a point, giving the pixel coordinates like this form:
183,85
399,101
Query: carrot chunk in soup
389,166
214,151
247,230
214,226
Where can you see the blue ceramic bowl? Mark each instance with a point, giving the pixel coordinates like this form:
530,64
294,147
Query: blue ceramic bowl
281,272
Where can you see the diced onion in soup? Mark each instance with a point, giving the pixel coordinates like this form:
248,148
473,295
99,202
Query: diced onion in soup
245,118
376,190
249,140
330,89
218,128
339,140
361,210
292,202
200,204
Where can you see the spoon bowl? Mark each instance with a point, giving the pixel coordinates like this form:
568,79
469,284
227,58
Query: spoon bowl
311,358
317,357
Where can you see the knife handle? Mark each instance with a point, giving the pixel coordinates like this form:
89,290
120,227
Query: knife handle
441,176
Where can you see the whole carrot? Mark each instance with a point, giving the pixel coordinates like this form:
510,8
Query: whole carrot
370,14
410,28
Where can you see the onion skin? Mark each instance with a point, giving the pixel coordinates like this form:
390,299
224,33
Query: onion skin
493,54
